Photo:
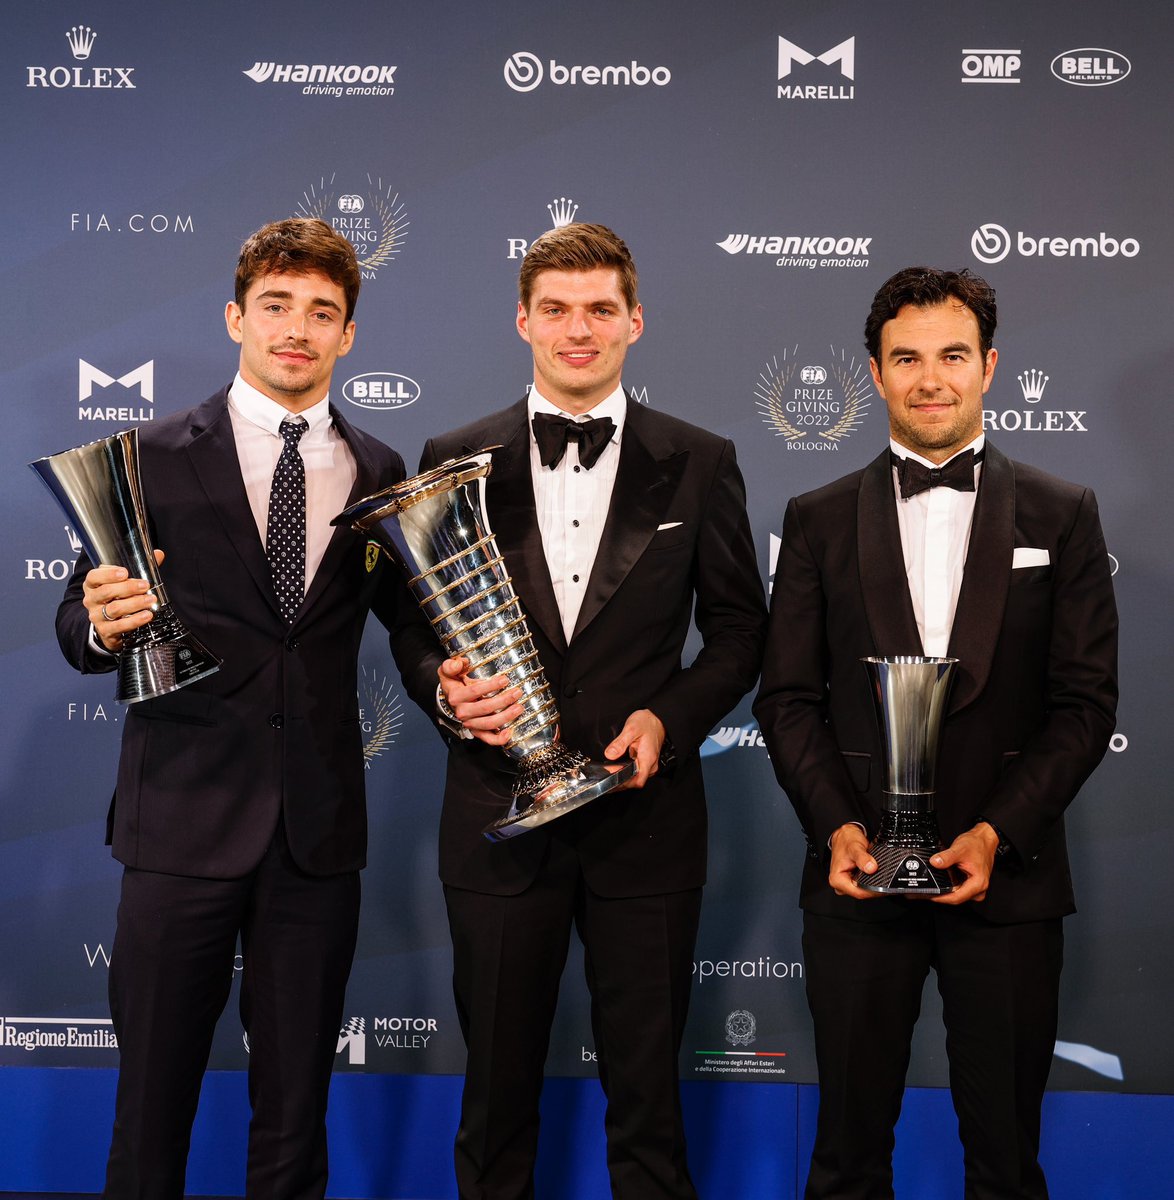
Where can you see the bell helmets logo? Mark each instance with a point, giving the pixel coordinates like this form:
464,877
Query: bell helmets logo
1091,66
991,243
381,390
524,71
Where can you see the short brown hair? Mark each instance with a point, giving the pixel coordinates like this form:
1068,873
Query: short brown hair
578,247
299,246
925,287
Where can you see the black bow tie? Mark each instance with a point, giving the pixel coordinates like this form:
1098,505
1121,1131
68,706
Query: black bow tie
552,434
915,477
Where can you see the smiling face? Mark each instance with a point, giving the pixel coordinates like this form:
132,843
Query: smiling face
933,376
579,327
291,329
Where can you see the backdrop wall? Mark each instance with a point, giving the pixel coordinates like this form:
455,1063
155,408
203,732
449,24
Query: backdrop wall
769,165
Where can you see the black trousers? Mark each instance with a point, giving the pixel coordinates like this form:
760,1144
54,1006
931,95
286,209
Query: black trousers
170,975
509,953
999,986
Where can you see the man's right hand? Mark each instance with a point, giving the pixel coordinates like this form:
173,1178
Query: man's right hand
116,604
483,714
849,847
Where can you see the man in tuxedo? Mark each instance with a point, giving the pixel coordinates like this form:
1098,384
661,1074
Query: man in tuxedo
617,524
941,546
239,807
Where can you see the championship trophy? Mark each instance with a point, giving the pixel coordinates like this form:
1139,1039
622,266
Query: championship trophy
98,487
434,525
910,697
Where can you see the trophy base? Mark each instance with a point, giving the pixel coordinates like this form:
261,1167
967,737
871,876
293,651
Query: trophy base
908,839
576,787
160,658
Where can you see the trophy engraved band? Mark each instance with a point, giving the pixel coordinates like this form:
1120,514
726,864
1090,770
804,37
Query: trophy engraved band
98,487
910,697
435,526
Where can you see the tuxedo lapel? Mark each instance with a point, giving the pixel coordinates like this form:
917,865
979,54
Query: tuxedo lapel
883,583
983,597
514,521
214,459
646,482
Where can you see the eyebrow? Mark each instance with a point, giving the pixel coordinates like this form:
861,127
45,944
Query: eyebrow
316,302
952,348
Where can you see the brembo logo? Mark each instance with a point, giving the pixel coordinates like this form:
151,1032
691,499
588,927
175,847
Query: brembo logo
991,243
524,71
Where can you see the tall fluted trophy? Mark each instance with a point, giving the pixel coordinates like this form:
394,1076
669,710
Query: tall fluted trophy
98,487
910,696
435,526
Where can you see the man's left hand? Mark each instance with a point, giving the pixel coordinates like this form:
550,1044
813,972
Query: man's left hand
641,739
973,853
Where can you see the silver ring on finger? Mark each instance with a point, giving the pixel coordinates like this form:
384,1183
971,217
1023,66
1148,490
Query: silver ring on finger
106,615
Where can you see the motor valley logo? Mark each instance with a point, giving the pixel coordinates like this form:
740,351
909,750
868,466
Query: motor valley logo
802,250
371,217
57,1033
740,1032
381,713
524,71
814,405
991,243
322,79
352,1038
562,212
81,40
1034,416
141,377
816,83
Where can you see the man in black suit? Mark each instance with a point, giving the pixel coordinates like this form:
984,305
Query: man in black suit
615,534
940,546
239,806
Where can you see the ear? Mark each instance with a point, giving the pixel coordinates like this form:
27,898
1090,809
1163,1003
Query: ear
988,371
876,378
233,316
520,323
637,324
348,340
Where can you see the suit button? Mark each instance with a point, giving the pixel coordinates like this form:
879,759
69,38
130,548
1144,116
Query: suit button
572,691
277,721
291,643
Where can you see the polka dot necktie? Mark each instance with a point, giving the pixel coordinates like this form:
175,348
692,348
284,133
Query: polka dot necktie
286,529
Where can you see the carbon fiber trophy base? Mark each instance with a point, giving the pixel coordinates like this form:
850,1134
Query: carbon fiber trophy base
903,848
571,788
159,658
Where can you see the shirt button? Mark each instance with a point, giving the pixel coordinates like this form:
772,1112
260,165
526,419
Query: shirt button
291,643
574,578
577,470
576,524
277,721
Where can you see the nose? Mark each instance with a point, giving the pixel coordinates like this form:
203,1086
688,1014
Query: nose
295,328
578,326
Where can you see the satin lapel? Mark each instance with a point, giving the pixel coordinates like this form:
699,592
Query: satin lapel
646,482
342,540
983,598
509,497
882,565
214,459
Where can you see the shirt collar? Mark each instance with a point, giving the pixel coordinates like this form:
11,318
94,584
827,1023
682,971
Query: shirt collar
904,452
614,406
267,414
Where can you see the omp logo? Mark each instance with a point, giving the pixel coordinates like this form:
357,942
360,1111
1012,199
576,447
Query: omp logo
523,71
1090,66
89,376
789,54
992,243
990,66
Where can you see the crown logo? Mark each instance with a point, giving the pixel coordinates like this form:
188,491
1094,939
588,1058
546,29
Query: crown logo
562,211
1032,384
75,543
81,41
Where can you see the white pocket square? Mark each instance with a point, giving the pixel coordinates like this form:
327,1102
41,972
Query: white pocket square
1029,556
668,525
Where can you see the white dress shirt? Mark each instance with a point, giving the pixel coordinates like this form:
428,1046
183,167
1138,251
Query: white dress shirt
330,465
935,535
572,503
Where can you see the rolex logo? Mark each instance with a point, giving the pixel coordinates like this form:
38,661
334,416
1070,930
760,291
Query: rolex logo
1032,384
562,211
81,41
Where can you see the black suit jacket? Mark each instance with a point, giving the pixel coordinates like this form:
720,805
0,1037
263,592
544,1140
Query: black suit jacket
1033,703
646,585
205,771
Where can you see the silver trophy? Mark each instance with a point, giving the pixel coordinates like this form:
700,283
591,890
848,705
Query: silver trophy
435,526
910,696
98,487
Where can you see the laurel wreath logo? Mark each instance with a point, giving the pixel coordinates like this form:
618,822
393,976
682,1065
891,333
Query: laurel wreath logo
386,715
773,383
393,223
